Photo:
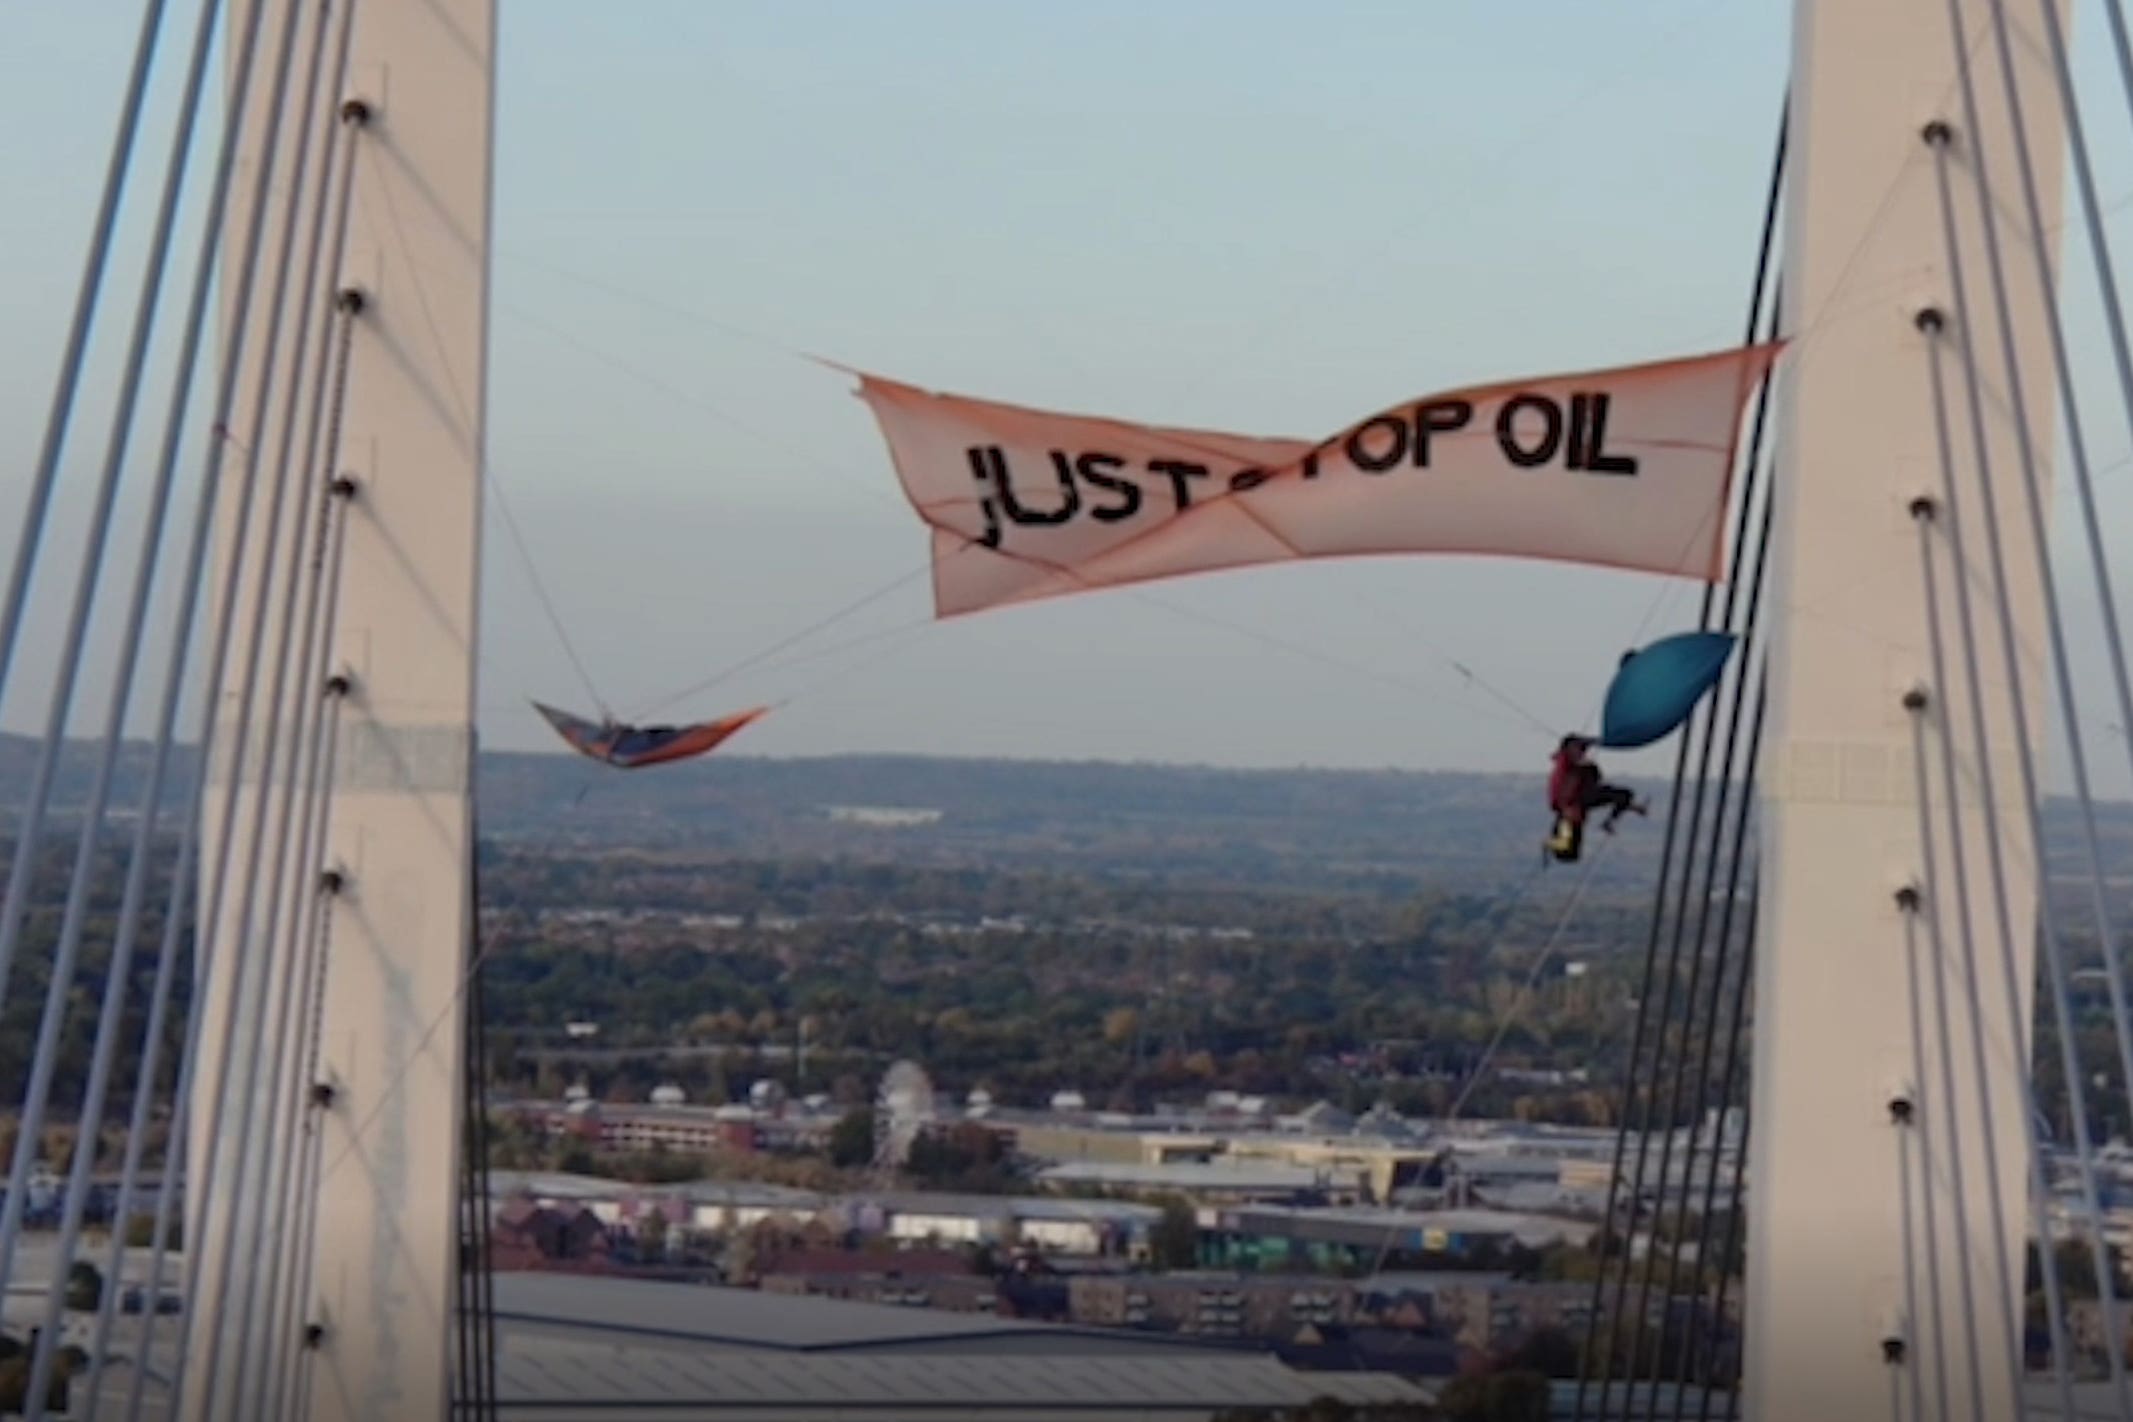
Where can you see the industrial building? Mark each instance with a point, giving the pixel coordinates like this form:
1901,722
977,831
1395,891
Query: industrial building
575,1349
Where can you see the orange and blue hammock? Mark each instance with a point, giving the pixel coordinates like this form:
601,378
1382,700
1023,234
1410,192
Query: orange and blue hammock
634,747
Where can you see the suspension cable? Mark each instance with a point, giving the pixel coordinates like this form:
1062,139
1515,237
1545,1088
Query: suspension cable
2077,449
1706,734
1737,1186
215,904
475,1396
1728,772
2122,360
1508,1018
541,595
94,265
74,641
118,973
2007,1280
313,890
1920,1126
316,890
1907,1252
189,585
1760,290
1950,1089
786,643
2027,463
307,709
14,908
1966,932
271,1011
1734,1036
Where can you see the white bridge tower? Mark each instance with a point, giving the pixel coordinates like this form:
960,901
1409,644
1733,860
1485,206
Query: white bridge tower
1855,703
370,1288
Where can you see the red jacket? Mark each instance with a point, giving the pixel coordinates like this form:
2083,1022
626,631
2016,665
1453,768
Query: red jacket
1563,797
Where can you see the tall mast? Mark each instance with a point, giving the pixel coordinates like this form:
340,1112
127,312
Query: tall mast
374,943
1831,1294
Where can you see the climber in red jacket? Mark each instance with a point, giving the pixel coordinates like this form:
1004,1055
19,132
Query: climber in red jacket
1575,786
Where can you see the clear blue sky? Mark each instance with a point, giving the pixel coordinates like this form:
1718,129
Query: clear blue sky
1270,217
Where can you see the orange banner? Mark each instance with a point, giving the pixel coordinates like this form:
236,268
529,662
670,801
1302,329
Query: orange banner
1626,468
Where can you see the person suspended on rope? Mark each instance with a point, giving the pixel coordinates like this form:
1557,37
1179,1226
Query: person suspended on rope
1575,788
1576,785
628,747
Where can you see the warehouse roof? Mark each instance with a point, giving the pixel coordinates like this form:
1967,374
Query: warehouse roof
570,1377
636,1310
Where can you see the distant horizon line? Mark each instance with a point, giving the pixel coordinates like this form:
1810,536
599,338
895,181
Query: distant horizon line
84,743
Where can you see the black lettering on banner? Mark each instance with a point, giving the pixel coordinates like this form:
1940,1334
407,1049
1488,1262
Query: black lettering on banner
1363,458
1099,471
1436,417
982,473
1596,457
1580,430
1576,428
1070,496
1178,471
1523,455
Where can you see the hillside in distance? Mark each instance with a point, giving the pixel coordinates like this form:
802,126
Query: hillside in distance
1389,832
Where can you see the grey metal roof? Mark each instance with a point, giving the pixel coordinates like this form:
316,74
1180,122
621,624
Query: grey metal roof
988,1207
553,1374
1422,1281
1503,1166
748,1320
562,1186
1190,1175
546,1375
1350,1225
